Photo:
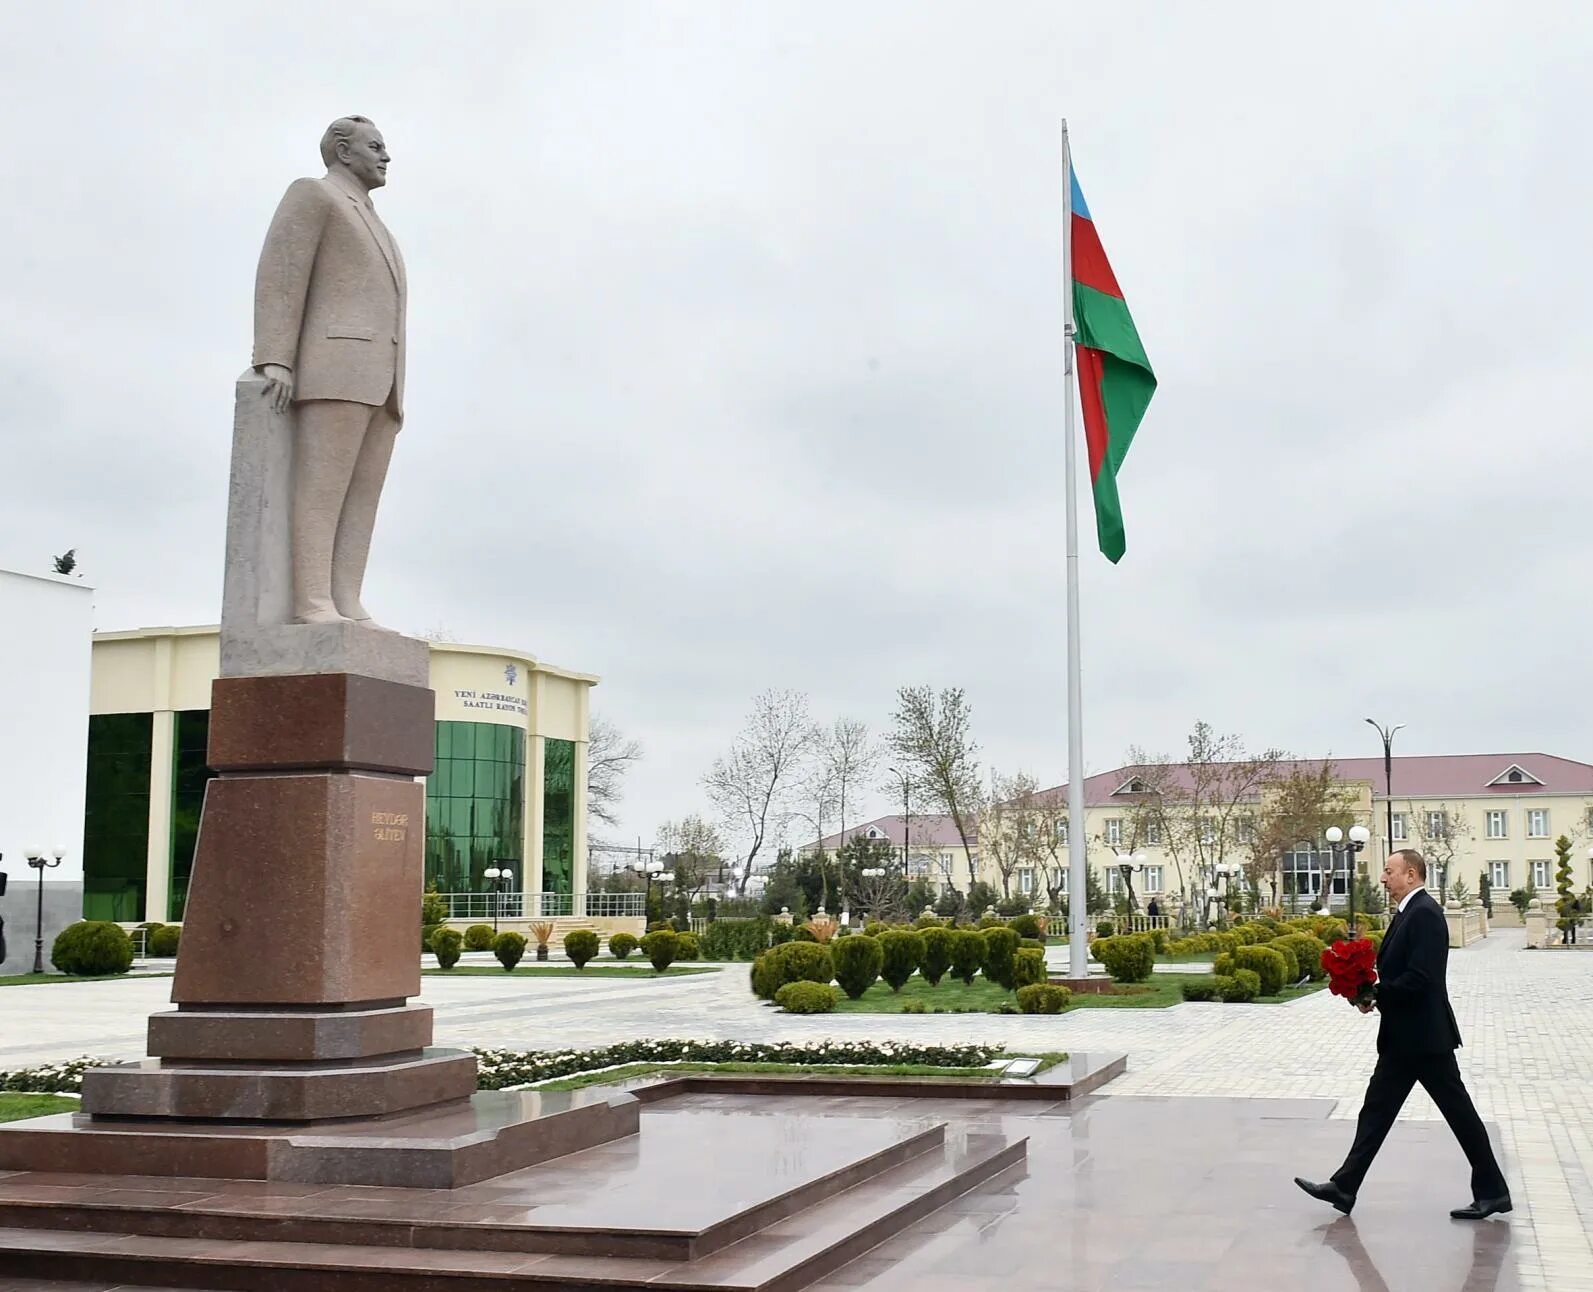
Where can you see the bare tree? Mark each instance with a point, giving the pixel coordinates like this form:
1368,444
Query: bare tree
609,756
693,848
66,562
933,735
1298,806
750,786
1442,833
1011,829
849,756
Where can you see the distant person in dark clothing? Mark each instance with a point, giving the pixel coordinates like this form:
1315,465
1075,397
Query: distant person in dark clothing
1153,910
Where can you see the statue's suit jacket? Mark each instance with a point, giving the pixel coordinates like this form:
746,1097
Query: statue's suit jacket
330,297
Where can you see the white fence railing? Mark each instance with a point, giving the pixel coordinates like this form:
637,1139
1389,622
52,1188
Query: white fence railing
531,906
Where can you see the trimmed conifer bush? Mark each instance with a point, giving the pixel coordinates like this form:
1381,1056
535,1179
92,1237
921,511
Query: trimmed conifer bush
1244,985
445,945
478,937
967,954
622,944
509,947
1001,945
1265,963
1028,968
858,962
903,952
1128,958
791,962
690,948
581,945
163,941
938,941
660,947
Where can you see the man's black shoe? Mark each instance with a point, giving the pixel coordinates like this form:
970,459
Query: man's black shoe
1330,1192
1482,1208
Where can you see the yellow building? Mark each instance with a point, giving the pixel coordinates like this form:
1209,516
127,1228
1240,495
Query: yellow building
1469,814
508,790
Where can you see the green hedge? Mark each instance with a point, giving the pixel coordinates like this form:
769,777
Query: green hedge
1129,958
1043,998
807,997
738,939
1266,963
1243,985
690,947
478,937
1028,968
791,962
92,947
165,940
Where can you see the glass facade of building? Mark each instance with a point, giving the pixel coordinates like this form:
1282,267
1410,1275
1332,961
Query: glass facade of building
475,805
558,817
189,778
116,816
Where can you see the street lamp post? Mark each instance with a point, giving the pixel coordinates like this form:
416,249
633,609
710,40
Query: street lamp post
1130,862
1359,835
1387,733
907,812
873,872
39,860
498,878
651,870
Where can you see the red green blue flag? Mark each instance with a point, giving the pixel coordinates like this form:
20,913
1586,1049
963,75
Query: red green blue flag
1115,378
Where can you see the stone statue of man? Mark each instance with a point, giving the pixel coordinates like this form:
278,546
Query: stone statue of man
329,304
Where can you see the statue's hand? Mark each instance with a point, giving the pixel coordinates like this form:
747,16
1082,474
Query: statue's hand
279,386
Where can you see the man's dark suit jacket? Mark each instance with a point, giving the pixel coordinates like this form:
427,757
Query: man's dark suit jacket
1412,997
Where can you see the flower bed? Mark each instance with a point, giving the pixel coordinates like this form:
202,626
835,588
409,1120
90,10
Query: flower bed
50,1078
503,1068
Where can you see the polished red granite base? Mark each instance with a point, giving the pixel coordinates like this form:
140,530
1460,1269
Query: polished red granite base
1188,1195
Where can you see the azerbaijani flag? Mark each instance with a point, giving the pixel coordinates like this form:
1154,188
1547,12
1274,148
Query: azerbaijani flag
1115,378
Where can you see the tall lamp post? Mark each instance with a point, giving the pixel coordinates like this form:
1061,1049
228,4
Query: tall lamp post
40,860
1387,733
498,878
907,812
1129,862
651,870
1359,836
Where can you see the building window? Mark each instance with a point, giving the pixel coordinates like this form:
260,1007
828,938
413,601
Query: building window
1540,875
1499,875
558,817
1062,885
1025,882
1208,830
1153,832
1114,831
1153,879
1438,878
1538,823
1496,823
1399,827
190,775
475,805
116,816
1245,828
1437,825
1062,830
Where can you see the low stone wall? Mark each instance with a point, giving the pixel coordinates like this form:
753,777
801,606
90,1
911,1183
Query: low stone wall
1467,924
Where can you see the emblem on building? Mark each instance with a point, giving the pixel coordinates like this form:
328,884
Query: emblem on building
510,673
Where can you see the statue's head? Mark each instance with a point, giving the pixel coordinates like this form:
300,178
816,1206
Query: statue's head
355,145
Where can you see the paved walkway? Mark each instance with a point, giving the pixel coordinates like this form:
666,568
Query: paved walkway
1527,1018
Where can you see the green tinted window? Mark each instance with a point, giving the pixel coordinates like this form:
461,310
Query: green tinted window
190,775
116,816
558,816
475,797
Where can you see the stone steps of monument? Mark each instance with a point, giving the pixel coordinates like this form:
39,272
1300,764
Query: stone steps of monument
787,1255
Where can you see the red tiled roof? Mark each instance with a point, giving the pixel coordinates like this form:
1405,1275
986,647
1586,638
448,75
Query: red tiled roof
932,830
1433,776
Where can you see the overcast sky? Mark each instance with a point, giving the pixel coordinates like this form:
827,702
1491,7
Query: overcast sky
735,349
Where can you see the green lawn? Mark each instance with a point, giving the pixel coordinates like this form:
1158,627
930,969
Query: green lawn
982,997
14,1107
27,979
633,1070
608,970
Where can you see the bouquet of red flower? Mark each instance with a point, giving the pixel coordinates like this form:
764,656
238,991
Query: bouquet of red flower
1351,967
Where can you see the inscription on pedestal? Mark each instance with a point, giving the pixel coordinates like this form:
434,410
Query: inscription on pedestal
390,827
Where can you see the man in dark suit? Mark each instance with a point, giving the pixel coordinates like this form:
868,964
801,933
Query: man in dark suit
1416,1040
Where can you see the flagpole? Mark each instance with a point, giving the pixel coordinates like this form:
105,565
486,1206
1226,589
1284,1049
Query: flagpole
1078,880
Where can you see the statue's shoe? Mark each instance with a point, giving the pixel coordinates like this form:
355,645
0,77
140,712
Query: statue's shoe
321,617
368,622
